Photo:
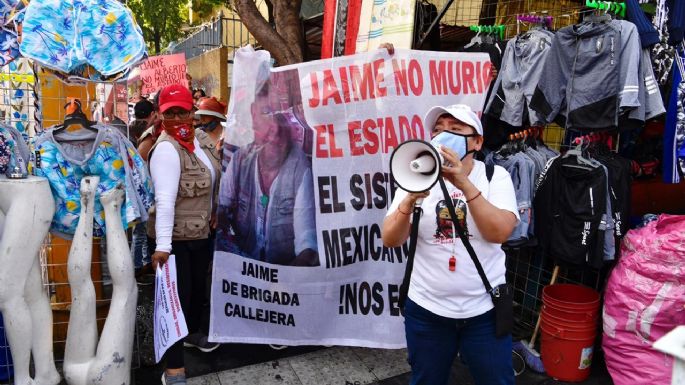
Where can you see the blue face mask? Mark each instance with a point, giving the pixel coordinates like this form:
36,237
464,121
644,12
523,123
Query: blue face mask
457,142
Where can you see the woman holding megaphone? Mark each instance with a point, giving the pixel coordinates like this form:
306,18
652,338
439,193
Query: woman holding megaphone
449,310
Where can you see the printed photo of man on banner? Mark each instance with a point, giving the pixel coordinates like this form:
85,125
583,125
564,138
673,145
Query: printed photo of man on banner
266,192
306,185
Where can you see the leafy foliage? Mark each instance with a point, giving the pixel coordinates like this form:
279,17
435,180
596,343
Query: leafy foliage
204,9
160,20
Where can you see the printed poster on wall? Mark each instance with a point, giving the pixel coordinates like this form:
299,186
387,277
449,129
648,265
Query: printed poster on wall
305,187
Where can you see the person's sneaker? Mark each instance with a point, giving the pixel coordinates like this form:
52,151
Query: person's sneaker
178,379
200,342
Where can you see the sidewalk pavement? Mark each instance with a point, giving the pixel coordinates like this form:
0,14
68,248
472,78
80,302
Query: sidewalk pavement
344,366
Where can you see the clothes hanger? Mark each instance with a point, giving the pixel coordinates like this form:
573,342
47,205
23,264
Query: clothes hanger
75,117
489,37
578,152
476,39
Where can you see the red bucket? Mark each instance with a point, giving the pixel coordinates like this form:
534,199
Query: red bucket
578,317
567,352
571,298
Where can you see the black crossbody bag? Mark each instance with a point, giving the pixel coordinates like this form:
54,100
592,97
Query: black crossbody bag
502,295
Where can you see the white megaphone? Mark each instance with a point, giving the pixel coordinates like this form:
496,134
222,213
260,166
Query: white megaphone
415,165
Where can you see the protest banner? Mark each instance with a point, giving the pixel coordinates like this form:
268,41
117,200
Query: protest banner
156,72
170,323
305,188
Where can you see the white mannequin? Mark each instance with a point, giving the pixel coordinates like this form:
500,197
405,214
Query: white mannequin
27,207
85,360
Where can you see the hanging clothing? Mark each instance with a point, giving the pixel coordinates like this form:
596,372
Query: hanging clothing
340,28
676,21
522,172
674,128
648,34
63,34
619,179
590,77
66,157
516,81
569,207
354,9
392,21
13,150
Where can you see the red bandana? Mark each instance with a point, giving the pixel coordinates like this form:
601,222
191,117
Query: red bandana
181,130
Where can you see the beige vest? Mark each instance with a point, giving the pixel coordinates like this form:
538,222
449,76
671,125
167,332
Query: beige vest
193,202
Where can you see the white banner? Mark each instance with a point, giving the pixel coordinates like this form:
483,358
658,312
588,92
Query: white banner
170,324
306,186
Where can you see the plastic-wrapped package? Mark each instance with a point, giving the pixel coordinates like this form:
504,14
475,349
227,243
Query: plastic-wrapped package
645,299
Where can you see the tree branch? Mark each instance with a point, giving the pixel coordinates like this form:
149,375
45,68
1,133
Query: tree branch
262,31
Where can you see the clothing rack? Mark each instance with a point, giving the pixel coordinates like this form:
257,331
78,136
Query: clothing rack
534,19
596,137
608,6
498,29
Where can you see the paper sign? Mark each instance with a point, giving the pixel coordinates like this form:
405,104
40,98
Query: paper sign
170,324
163,70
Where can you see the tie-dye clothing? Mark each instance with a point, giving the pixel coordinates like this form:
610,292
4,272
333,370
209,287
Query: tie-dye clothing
66,157
86,73
63,34
13,150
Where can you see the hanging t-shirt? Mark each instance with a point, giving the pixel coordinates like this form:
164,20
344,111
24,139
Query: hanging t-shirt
459,293
67,159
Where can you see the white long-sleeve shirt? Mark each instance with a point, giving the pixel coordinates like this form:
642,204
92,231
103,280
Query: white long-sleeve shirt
165,170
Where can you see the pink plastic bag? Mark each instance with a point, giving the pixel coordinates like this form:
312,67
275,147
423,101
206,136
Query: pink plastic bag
643,300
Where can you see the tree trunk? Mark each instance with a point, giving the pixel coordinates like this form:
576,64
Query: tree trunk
287,15
285,42
158,41
270,11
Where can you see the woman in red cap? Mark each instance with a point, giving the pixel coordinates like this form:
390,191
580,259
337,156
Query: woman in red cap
185,169
211,113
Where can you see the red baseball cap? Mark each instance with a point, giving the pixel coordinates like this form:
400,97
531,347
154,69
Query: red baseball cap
175,95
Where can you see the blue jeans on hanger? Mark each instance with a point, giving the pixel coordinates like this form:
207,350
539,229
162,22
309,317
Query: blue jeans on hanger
139,247
433,342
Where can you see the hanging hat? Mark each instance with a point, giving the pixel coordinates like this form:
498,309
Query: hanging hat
211,107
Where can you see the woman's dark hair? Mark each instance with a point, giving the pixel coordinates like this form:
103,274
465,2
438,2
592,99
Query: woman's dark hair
201,91
137,128
155,101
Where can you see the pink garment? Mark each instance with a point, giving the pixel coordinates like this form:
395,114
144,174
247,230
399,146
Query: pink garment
643,300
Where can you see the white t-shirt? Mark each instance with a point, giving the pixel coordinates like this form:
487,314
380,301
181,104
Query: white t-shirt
459,293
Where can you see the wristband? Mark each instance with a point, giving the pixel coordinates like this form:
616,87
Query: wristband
477,195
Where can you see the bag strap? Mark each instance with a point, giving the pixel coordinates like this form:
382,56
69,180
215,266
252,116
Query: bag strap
413,236
489,171
463,237
414,233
